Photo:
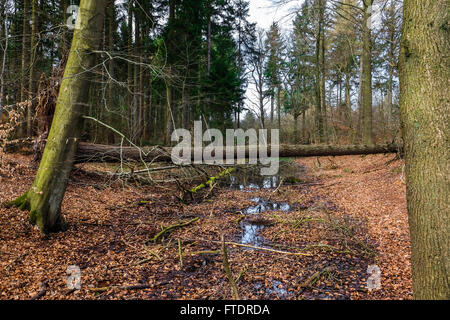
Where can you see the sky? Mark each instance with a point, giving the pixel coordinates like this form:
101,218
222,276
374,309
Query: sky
264,13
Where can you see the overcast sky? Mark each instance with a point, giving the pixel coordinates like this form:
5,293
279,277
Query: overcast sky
264,12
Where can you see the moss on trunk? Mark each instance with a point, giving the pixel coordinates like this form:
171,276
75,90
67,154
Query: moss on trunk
45,196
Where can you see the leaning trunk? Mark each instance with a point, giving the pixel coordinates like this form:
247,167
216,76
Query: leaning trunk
424,105
44,198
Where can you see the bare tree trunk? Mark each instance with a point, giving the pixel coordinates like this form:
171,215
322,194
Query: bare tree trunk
348,101
5,53
366,57
33,45
425,110
319,112
25,50
88,152
111,30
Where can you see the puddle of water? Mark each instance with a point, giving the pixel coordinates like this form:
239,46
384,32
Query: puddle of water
248,179
278,289
254,182
264,205
250,231
250,234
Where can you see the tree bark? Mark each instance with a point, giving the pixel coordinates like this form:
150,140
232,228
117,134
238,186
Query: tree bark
31,79
366,59
88,152
44,198
25,50
318,117
424,78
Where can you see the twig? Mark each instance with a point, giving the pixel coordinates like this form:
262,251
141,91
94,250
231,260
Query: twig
226,267
277,189
132,287
243,271
180,252
172,227
41,293
268,249
205,252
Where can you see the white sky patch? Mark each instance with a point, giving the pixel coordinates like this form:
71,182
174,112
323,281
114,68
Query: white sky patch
264,13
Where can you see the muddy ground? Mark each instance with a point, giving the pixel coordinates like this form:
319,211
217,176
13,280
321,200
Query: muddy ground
312,237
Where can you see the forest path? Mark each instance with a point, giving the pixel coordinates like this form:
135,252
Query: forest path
372,188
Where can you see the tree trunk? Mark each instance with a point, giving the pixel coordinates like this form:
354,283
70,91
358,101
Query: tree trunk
424,78
272,102
111,31
44,198
296,137
33,46
25,50
366,58
319,112
279,105
88,152
323,101
348,101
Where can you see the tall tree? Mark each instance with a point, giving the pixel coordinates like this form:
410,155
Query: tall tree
258,63
320,88
25,49
425,110
32,69
44,198
274,46
366,73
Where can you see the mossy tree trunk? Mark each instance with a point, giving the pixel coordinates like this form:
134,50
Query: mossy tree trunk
424,78
44,198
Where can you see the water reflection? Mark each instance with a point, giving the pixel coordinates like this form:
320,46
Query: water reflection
264,205
250,234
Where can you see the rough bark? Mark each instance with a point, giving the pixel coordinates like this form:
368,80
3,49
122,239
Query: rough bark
318,116
44,198
25,49
366,62
424,78
31,78
88,152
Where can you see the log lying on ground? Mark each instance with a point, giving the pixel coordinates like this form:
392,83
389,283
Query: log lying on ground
88,152
25,145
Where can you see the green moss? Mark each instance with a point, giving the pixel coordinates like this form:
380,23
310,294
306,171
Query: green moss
21,202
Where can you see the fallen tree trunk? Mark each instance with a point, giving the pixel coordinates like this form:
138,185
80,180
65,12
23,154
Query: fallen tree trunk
88,152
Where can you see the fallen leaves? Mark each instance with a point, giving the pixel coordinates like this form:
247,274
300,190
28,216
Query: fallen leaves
339,213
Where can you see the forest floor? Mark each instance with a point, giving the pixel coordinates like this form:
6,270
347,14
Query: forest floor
313,237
